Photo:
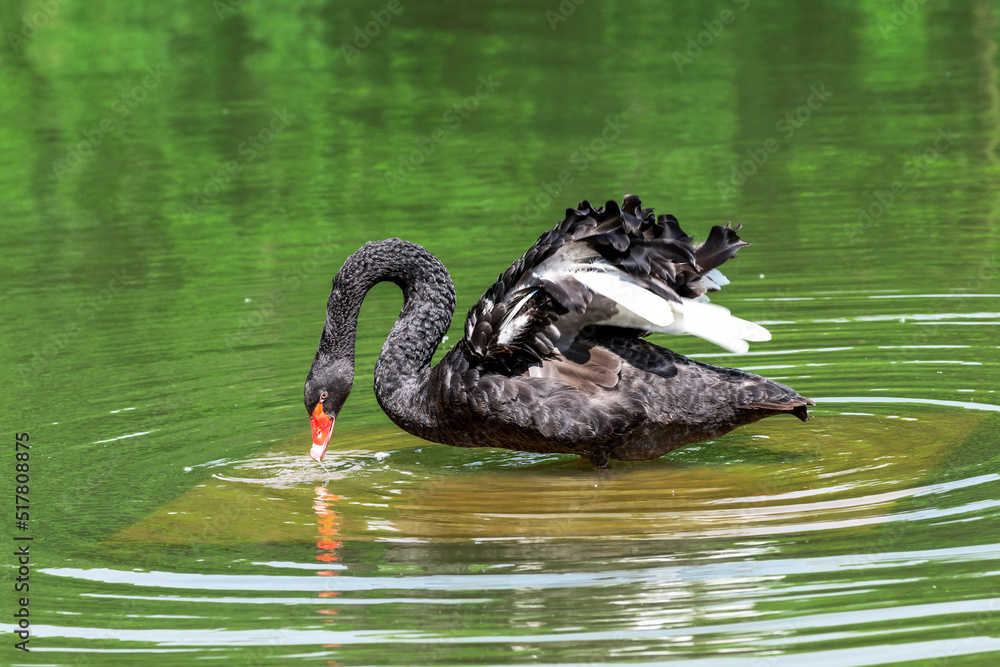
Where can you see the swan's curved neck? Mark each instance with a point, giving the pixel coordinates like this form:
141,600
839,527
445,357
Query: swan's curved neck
402,373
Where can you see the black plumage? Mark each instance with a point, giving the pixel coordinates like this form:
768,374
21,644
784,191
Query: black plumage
553,357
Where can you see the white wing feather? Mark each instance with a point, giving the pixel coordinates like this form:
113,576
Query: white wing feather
641,309
716,325
653,309
512,325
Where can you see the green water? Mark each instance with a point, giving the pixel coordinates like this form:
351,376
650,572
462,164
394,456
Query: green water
180,181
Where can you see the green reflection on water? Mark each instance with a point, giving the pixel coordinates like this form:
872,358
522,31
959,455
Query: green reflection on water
165,271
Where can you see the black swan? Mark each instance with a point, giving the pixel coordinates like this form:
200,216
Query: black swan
553,357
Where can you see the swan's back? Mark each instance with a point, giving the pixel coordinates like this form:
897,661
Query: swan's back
553,358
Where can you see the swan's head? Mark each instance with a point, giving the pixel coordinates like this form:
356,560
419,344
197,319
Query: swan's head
325,393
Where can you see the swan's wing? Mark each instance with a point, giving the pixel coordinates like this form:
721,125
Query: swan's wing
606,267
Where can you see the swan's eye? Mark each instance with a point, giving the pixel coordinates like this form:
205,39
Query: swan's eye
323,396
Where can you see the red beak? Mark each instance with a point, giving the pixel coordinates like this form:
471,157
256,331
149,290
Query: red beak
322,428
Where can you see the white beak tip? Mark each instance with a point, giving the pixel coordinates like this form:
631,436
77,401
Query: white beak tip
316,452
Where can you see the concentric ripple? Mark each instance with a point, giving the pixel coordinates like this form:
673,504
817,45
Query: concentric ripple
865,536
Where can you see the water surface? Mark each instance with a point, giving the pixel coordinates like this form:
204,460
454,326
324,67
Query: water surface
166,271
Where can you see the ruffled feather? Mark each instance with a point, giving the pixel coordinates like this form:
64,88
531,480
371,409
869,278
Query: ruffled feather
599,267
